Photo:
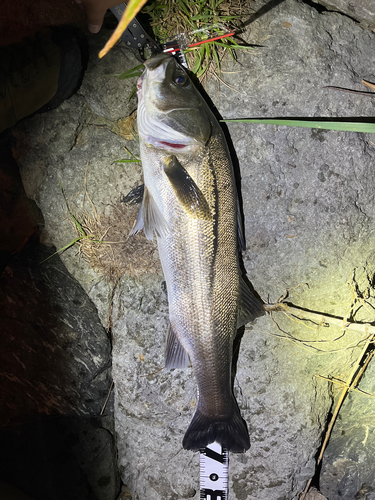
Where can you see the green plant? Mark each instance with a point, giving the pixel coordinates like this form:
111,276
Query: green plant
134,6
345,126
133,158
168,19
78,227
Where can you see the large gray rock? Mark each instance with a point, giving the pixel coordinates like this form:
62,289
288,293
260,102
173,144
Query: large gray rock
362,11
348,465
60,457
54,383
307,201
55,354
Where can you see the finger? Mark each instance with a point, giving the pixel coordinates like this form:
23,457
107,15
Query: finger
94,18
94,11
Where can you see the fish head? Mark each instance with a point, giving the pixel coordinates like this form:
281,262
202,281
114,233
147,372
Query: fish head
172,114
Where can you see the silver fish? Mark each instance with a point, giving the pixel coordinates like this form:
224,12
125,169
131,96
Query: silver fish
190,202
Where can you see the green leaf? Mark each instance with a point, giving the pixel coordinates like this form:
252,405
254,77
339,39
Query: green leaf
133,91
124,77
184,8
131,72
216,57
198,60
128,161
344,126
70,213
201,16
81,230
64,248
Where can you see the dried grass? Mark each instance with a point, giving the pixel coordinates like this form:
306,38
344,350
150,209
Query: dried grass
109,250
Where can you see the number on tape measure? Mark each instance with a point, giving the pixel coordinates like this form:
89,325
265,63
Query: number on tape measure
214,473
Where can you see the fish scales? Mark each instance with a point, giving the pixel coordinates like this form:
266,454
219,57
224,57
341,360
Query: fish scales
190,202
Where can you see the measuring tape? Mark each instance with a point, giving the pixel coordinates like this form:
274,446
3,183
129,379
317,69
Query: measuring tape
214,472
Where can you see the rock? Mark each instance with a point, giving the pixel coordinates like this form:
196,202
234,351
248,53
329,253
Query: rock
314,494
60,458
307,201
362,11
348,463
57,358
55,380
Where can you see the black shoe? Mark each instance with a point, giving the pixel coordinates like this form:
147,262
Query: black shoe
40,73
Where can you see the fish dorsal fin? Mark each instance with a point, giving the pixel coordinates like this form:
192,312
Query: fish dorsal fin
250,307
175,354
149,218
186,190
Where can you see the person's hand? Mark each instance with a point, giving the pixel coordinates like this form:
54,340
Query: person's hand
95,10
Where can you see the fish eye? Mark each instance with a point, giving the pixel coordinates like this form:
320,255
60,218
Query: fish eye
180,79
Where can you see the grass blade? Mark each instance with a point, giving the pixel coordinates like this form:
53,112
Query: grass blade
133,91
136,71
216,57
128,161
71,215
64,248
344,126
124,77
134,6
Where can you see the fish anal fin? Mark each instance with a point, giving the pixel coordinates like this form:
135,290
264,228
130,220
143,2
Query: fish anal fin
175,354
149,217
250,307
186,190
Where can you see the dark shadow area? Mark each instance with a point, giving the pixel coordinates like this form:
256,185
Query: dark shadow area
321,9
315,480
49,337
60,458
317,6
318,313
274,3
263,10
55,359
236,351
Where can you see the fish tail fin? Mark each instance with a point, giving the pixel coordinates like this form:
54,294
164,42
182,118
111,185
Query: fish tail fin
230,432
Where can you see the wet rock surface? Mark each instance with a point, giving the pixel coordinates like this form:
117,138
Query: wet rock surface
307,201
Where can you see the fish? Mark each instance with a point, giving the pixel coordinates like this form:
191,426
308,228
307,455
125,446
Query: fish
190,203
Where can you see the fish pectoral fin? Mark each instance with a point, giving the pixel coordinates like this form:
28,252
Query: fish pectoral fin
175,354
149,218
187,192
250,307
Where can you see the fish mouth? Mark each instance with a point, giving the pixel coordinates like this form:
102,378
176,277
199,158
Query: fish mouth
167,119
162,135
